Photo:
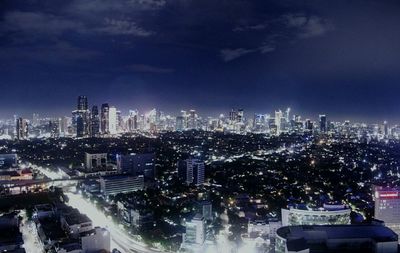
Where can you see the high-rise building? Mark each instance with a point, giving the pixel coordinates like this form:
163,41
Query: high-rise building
54,128
120,121
82,103
240,116
387,206
64,125
195,231
323,125
191,171
21,129
112,120
35,120
95,122
104,118
278,122
308,125
133,120
180,123
192,121
385,129
80,119
233,115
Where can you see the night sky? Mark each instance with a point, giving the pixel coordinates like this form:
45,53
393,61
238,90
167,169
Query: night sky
337,57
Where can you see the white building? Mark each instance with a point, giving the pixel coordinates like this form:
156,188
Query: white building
195,231
263,228
112,185
278,121
112,120
326,215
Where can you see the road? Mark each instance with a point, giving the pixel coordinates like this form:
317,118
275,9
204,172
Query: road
120,239
30,236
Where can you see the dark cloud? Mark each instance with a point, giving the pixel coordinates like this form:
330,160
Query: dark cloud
149,69
257,54
123,27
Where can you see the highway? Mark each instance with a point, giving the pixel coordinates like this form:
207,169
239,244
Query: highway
120,239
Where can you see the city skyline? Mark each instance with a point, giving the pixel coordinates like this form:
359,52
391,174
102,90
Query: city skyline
341,59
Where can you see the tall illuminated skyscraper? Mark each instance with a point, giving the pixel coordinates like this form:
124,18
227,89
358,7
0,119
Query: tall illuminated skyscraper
80,119
180,123
82,103
95,122
192,122
133,120
104,118
278,122
240,116
112,120
21,129
35,119
323,125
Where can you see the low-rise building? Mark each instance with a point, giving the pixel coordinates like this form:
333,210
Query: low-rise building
336,238
326,215
10,236
112,185
75,223
135,215
95,161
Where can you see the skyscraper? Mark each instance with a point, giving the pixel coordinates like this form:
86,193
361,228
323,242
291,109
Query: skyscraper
112,120
133,120
21,129
81,120
180,123
35,119
278,122
104,118
95,122
323,126
82,103
192,122
233,115
240,116
308,125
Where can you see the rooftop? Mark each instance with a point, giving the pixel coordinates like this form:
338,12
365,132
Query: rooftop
324,232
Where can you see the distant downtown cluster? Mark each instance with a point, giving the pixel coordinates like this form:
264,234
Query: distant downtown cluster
108,121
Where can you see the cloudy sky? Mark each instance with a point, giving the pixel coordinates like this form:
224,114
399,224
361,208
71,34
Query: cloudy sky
338,57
